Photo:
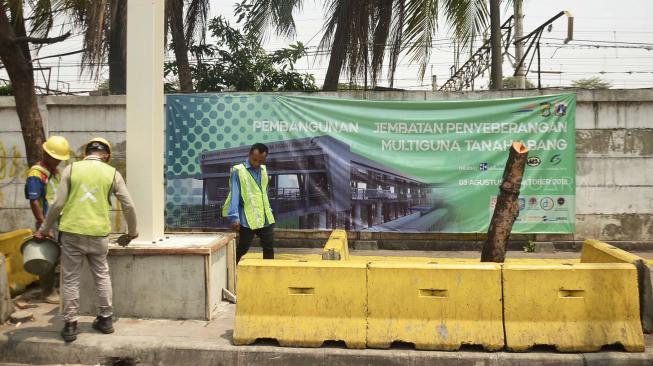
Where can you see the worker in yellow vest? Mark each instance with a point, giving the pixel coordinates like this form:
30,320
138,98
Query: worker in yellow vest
83,203
40,189
248,206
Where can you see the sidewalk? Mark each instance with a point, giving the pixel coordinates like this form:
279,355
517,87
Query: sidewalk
190,342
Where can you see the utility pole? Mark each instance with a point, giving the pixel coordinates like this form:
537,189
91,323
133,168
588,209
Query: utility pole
496,80
520,77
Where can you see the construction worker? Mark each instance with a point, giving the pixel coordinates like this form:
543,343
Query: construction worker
83,203
248,206
40,189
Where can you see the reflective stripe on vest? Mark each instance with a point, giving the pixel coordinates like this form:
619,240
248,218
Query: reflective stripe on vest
51,183
255,198
87,209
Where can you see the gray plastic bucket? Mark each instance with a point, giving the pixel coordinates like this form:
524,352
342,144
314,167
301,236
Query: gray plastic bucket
39,257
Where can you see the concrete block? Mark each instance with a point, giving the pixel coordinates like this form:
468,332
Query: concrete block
337,247
614,200
10,121
631,227
301,303
608,171
610,115
366,245
434,306
544,247
595,251
585,117
573,307
12,218
617,359
180,278
539,359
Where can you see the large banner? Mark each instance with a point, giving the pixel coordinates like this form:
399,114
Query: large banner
407,166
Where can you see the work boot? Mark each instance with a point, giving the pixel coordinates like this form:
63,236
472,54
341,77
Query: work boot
52,297
104,325
69,331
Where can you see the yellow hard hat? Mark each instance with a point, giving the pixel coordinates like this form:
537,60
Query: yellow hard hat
100,140
57,147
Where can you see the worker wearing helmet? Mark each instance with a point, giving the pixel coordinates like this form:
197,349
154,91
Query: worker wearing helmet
82,206
40,189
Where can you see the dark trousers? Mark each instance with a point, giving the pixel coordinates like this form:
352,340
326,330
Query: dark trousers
266,234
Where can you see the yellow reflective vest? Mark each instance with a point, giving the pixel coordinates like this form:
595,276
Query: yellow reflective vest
255,198
87,209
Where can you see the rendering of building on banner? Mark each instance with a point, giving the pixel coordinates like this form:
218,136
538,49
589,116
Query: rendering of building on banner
320,183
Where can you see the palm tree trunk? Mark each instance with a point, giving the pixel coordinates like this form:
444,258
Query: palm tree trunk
20,73
337,58
496,82
117,45
176,21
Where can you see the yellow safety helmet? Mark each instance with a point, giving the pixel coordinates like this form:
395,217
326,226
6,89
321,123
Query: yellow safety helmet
100,140
57,147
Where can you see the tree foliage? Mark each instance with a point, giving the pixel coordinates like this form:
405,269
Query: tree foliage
591,83
510,82
238,62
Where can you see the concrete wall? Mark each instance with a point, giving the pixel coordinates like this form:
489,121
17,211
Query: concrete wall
614,152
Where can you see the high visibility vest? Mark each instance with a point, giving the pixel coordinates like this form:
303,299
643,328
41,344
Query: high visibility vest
255,199
51,182
87,209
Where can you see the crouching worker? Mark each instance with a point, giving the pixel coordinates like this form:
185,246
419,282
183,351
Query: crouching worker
83,203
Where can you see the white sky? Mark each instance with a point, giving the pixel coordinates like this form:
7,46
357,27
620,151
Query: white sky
596,22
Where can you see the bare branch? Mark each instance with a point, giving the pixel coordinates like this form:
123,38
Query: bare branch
37,40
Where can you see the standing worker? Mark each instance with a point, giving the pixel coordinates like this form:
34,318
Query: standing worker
248,206
40,189
83,202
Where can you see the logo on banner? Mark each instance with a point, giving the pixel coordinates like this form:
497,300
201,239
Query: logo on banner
483,167
522,203
493,202
545,109
555,159
546,203
532,202
561,109
527,108
533,161
561,201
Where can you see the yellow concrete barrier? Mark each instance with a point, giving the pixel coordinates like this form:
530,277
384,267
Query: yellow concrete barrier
576,308
595,251
435,306
337,247
10,243
301,303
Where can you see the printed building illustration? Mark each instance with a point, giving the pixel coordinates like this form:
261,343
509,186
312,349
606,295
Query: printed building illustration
320,183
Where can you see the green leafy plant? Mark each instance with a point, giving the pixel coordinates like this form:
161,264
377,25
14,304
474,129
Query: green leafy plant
529,247
238,62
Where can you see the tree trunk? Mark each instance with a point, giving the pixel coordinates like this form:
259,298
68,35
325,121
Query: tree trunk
507,206
496,80
337,58
117,48
20,73
176,22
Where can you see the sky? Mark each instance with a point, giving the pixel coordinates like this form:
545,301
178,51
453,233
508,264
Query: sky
612,40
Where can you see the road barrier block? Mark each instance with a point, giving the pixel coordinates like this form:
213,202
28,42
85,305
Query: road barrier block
10,244
595,251
301,303
435,306
337,246
576,308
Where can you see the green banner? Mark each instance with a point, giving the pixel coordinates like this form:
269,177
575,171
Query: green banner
374,165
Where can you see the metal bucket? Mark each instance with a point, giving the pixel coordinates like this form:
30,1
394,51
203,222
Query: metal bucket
39,257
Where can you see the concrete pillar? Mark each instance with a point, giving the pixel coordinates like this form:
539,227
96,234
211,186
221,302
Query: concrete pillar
378,217
357,216
145,136
322,220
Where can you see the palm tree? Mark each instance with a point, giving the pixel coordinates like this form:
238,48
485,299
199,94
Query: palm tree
359,34
15,40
